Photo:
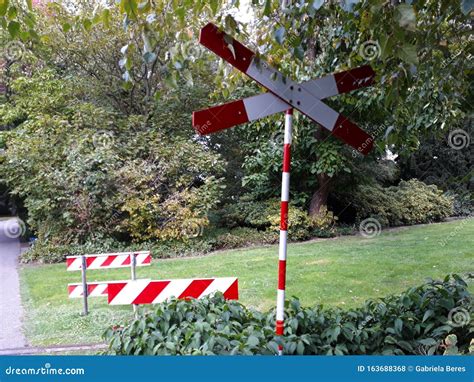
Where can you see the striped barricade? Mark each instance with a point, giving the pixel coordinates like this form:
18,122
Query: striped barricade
102,261
109,260
152,292
94,289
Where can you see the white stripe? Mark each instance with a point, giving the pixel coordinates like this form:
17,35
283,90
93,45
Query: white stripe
262,105
282,246
219,285
130,292
96,264
117,262
76,265
77,292
280,313
173,289
288,128
99,290
285,187
141,258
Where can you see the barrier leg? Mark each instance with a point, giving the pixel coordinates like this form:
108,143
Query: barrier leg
85,290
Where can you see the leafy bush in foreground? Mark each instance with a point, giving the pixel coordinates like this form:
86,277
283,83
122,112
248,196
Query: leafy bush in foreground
415,322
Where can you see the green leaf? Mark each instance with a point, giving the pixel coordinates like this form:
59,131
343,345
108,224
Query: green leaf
268,8
3,7
253,341
14,28
398,325
408,53
427,315
29,4
66,27
149,57
106,17
280,35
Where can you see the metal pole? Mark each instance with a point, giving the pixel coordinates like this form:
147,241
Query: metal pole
85,290
134,274
285,197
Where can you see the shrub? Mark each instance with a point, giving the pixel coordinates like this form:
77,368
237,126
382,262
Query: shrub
411,202
300,225
243,237
246,214
415,322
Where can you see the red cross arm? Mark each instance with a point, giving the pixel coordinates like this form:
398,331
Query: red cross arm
296,95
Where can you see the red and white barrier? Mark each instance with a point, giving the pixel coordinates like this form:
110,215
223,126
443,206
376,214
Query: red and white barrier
95,289
109,260
152,292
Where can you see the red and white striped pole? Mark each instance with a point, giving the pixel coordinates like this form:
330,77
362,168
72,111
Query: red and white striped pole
285,197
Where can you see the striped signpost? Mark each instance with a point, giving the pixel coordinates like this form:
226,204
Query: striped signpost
283,94
143,291
102,261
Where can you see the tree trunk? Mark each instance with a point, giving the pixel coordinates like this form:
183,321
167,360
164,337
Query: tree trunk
320,196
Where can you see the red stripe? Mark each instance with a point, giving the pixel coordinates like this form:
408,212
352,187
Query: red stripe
114,289
89,260
147,260
215,40
279,327
286,157
195,289
284,216
127,260
71,288
70,261
289,112
108,260
354,79
232,293
282,274
91,287
151,291
350,133
220,117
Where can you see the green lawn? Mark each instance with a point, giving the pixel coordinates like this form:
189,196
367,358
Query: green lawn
335,272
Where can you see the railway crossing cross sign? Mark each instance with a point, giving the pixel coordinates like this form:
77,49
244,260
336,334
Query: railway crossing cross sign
283,95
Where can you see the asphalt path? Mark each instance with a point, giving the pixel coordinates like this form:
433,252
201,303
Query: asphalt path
11,311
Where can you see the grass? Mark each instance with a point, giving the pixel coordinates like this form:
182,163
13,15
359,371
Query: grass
336,272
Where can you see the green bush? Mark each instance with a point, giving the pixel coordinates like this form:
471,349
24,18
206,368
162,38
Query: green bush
46,252
411,202
415,322
244,237
246,214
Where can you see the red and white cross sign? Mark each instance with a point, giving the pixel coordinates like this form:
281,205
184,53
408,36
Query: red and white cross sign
283,95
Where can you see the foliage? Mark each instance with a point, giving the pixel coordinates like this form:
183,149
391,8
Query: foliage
85,170
415,322
244,237
411,202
